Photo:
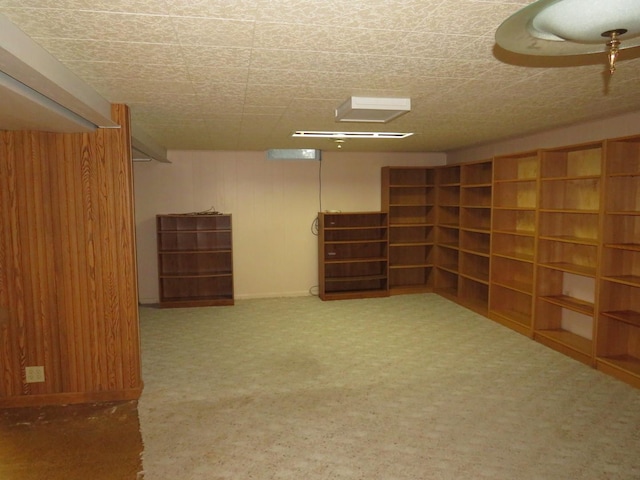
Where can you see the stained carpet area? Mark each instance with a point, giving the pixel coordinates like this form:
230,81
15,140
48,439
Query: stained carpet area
400,388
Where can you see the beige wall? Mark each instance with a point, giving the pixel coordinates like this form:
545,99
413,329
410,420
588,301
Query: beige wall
619,126
273,203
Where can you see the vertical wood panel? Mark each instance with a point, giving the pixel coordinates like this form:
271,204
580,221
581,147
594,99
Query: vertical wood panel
68,297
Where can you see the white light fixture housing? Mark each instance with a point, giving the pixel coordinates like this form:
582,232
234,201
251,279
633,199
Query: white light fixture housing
345,135
372,109
572,27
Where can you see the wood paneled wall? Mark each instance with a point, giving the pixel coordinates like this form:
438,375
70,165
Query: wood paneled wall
68,294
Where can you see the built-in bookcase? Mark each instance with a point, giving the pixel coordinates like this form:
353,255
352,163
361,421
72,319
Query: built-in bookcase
568,249
447,261
618,320
408,197
475,235
513,240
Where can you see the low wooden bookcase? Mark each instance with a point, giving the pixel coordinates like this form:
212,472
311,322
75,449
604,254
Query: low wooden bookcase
195,260
353,255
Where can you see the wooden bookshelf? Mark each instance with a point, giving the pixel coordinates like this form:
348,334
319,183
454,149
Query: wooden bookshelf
475,235
408,197
568,249
447,250
195,260
513,242
353,255
618,320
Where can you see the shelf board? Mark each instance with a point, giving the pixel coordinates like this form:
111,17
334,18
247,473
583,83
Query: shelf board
570,303
623,174
411,244
479,253
413,265
630,317
624,246
476,185
521,287
567,339
354,242
570,210
369,227
405,289
516,180
632,280
564,178
361,278
178,276
626,363
520,256
192,252
452,246
521,233
513,316
411,185
484,281
571,268
410,224
448,268
208,301
623,212
354,294
191,230
449,225
486,231
356,260
419,204
570,239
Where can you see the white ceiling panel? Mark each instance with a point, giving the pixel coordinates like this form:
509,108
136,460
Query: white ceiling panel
243,74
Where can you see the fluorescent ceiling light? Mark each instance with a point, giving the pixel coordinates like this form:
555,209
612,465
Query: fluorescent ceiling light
317,134
372,109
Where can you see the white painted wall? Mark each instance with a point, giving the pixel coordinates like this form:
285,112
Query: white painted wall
273,204
619,126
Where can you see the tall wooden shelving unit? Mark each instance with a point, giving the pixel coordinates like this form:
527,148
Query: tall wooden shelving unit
408,196
568,237
195,260
618,317
353,255
513,245
447,231
475,235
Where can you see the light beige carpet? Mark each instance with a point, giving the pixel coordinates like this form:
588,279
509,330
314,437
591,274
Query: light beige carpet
400,388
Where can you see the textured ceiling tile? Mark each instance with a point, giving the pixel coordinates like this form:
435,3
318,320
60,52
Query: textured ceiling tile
378,14
230,9
129,6
201,56
309,61
277,36
128,72
213,32
112,51
93,25
467,17
211,74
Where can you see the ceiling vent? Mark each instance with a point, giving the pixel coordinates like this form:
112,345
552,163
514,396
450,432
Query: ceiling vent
372,109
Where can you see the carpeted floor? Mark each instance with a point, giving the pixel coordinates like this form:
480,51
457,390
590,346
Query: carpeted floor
400,388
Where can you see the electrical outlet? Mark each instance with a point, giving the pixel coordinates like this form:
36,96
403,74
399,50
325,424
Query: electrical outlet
34,374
